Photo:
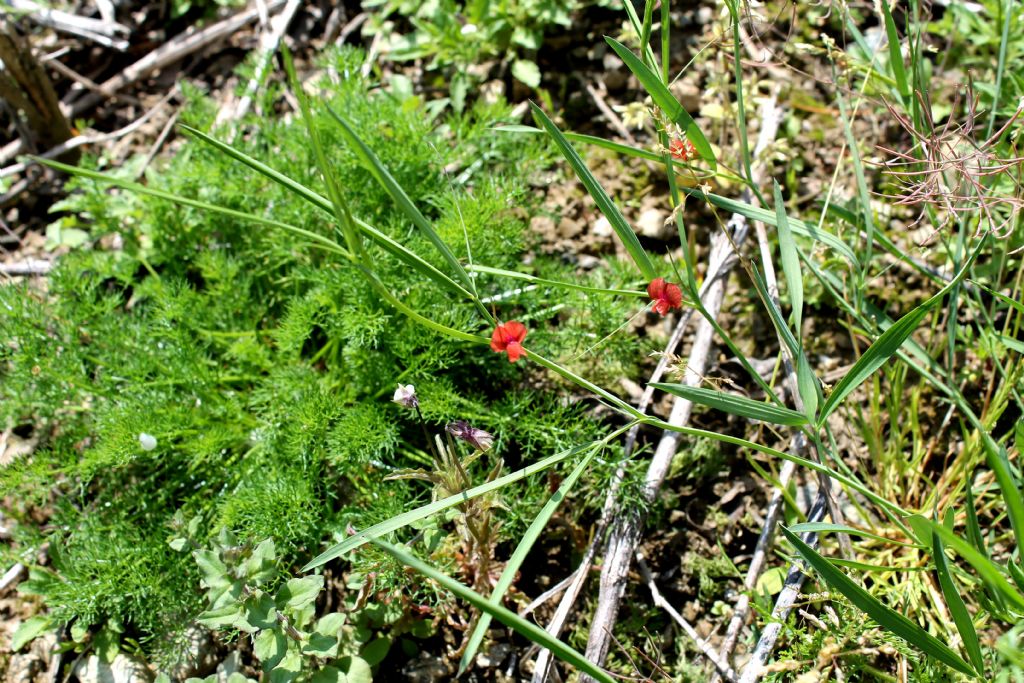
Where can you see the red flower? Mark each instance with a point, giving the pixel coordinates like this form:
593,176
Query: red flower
508,337
682,149
665,295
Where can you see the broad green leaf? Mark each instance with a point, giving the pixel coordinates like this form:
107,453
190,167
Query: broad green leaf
376,650
508,574
270,646
666,101
987,570
790,261
626,235
406,518
29,630
300,593
261,566
735,405
957,608
525,628
527,72
887,345
288,669
884,616
756,213
260,610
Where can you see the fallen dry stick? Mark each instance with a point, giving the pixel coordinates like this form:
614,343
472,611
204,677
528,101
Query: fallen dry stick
178,47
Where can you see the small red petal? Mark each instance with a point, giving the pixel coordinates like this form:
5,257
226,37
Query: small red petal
674,296
498,342
656,288
515,351
515,331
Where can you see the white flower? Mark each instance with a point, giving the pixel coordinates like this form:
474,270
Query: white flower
406,396
469,29
147,441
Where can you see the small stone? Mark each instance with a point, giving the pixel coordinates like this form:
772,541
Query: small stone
602,227
651,223
123,669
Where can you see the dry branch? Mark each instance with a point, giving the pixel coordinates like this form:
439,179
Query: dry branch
177,48
625,534
97,30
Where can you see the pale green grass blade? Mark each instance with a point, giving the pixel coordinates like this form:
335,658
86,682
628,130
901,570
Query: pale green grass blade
1016,305
828,527
790,261
627,150
634,19
899,73
555,283
987,570
808,387
767,217
884,616
131,186
666,101
527,629
957,608
338,204
629,239
857,486
586,384
396,249
887,345
534,531
1011,343
388,182
398,521
735,405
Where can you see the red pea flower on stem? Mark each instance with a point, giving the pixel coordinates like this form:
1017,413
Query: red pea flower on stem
665,295
682,149
508,338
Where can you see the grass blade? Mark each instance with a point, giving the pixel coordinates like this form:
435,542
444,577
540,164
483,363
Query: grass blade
131,186
957,608
767,217
388,182
888,344
629,239
525,628
735,405
398,521
666,101
555,283
827,527
987,570
884,616
523,549
899,73
790,261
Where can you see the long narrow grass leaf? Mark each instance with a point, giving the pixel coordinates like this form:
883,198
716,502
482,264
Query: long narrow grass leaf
957,608
132,186
666,101
887,345
826,527
626,235
899,73
767,217
515,561
790,261
987,570
735,405
398,521
525,628
405,204
884,616
555,283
